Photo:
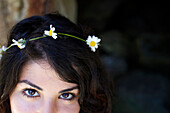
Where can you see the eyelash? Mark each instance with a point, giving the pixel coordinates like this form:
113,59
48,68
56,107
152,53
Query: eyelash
26,92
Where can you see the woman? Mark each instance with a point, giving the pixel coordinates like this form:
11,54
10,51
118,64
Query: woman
51,65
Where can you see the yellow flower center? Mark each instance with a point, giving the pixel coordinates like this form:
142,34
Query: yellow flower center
50,32
92,43
19,46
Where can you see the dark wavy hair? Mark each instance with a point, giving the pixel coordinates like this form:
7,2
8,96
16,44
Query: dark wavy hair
71,58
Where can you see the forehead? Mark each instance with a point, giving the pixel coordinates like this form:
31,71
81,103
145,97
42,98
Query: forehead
43,75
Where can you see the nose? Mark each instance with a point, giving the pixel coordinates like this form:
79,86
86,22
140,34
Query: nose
49,106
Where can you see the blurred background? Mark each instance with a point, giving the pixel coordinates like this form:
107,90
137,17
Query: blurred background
135,44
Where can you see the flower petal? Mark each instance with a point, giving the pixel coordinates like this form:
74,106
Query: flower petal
55,37
46,32
21,46
13,40
96,46
98,40
90,38
94,38
4,48
53,28
93,49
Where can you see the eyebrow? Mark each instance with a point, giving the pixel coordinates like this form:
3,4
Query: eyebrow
35,86
69,89
31,84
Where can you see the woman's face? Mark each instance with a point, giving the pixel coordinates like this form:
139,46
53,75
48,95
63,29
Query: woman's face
40,90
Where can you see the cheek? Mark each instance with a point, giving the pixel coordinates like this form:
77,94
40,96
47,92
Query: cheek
68,108
19,105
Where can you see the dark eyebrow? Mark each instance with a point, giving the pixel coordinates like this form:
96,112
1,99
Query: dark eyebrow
69,89
31,84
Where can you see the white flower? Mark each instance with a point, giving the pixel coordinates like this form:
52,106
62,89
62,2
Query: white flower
93,42
20,43
3,49
51,32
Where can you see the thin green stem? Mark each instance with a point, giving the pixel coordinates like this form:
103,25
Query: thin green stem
72,36
37,38
9,47
46,36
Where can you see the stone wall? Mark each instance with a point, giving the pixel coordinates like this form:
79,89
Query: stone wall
12,11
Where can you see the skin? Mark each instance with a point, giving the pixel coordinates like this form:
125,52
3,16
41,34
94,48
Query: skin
40,90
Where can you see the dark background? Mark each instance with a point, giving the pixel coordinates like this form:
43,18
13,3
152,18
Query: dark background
135,50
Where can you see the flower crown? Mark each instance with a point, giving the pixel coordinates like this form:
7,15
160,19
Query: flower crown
92,41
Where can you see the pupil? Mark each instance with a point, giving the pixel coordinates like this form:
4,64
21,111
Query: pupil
31,92
65,95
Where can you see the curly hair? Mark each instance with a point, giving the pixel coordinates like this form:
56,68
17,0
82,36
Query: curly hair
71,58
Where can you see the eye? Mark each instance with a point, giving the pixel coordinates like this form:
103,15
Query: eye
31,93
67,96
